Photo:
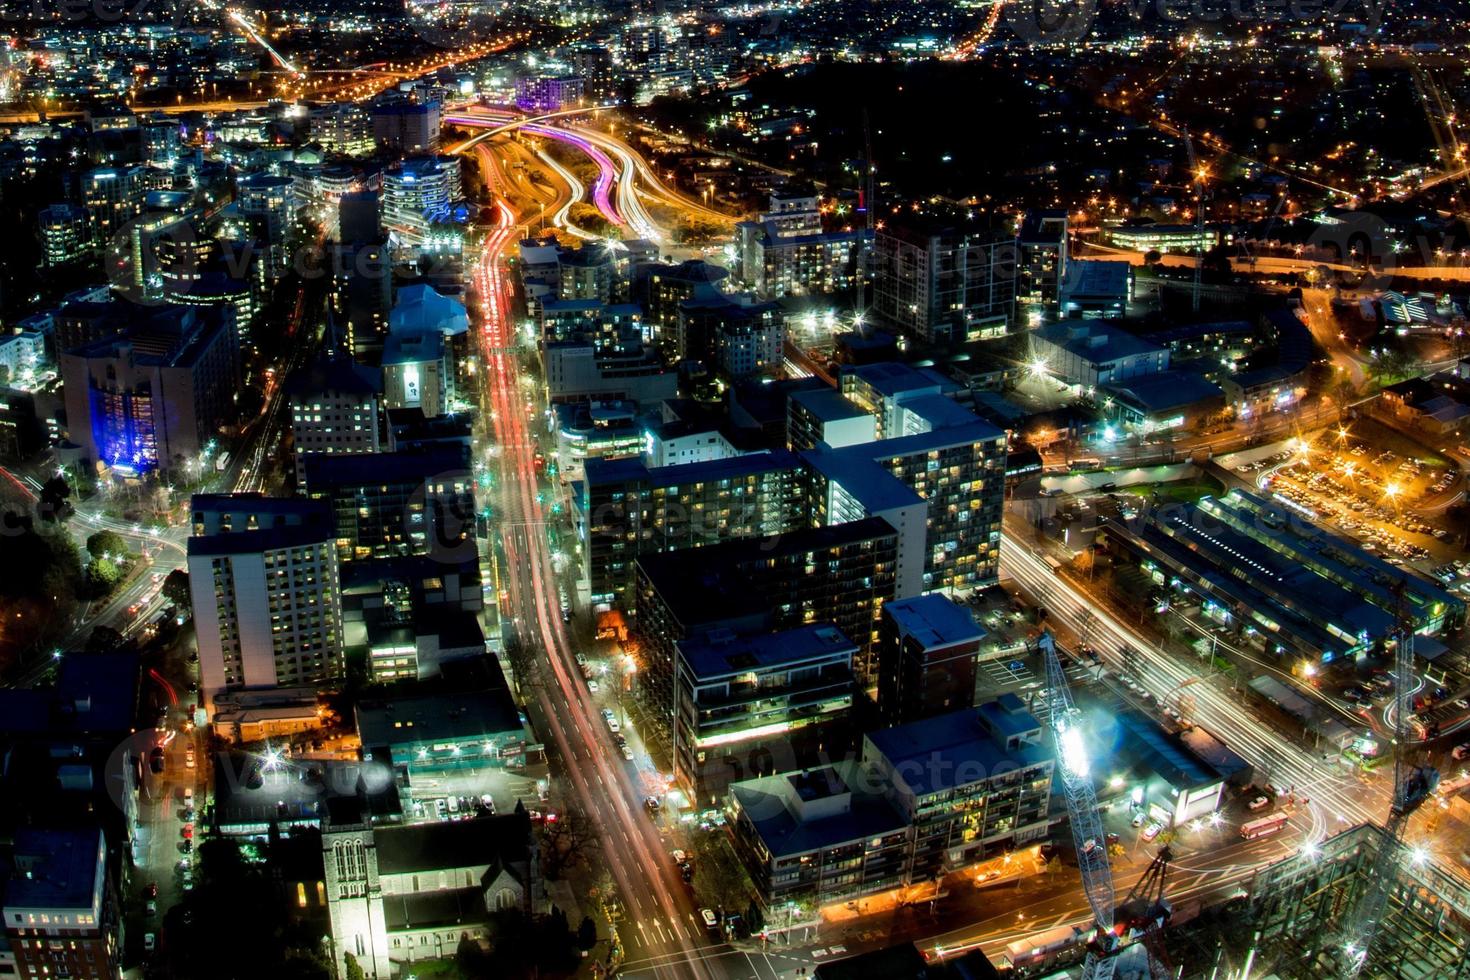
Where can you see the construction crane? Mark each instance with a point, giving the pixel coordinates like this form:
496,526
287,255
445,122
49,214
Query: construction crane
1411,786
1197,177
1144,914
865,242
1087,831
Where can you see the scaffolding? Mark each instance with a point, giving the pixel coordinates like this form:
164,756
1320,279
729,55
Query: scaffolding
1298,905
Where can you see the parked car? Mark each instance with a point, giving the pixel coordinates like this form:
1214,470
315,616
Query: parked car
1259,803
1461,751
1152,830
152,907
707,916
1138,820
150,942
627,751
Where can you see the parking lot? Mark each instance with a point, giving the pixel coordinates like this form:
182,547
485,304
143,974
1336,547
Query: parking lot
1367,493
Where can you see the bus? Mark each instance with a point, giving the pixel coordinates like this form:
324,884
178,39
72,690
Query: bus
1263,826
1043,948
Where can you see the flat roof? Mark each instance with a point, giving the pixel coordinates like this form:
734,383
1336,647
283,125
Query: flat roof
708,660
765,803
1145,741
413,466
934,619
1165,390
437,717
1094,340
1095,277
827,404
631,469
893,377
65,866
489,841
928,755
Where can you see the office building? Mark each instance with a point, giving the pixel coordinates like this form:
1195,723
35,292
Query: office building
736,696
266,598
334,409
65,234
151,396
579,371
417,373
392,504
407,127
946,283
628,509
1094,353
434,734
927,651
342,128
1163,238
61,905
839,575
541,93
595,430
161,140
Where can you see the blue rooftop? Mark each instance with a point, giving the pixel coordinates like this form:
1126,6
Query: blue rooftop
56,869
934,620
707,660
1096,341
929,755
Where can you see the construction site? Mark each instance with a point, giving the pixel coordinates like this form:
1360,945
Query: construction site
1360,904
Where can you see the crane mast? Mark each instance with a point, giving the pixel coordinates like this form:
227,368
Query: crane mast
1411,786
1087,831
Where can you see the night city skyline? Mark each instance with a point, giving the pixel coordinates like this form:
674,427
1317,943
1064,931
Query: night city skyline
826,489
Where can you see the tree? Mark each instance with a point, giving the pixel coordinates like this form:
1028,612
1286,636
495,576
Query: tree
53,500
108,543
586,933
104,639
353,970
566,841
102,576
176,588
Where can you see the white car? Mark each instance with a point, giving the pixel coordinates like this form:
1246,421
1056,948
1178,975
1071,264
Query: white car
150,942
628,753
1152,830
1258,803
592,686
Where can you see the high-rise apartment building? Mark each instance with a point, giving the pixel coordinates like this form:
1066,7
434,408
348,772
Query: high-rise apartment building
65,234
417,193
631,509
927,651
112,196
264,583
947,283
840,575
334,409
153,394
